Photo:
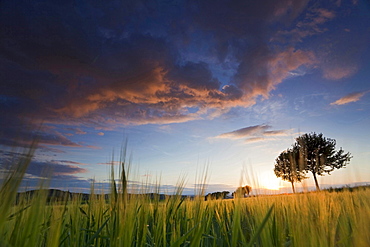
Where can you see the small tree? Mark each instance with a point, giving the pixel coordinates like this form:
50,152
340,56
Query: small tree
224,193
242,191
216,195
287,167
319,155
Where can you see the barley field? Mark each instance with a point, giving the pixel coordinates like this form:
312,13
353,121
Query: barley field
307,219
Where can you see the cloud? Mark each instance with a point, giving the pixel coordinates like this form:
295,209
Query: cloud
339,72
80,132
93,147
312,24
100,134
255,133
18,134
126,64
210,188
254,139
70,183
275,133
336,50
76,131
68,162
352,97
259,77
115,163
245,132
136,70
41,168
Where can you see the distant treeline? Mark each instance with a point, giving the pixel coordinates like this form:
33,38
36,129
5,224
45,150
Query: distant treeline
54,195
347,188
216,195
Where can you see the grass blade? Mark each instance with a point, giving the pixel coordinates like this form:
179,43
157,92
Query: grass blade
260,228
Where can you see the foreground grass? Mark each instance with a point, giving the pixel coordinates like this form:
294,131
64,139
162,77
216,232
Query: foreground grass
312,219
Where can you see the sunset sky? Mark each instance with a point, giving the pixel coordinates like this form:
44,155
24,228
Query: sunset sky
195,87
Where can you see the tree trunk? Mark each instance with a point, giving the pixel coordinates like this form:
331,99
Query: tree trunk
293,187
316,183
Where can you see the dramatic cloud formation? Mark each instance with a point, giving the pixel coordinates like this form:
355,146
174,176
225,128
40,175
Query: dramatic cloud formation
352,97
142,62
78,76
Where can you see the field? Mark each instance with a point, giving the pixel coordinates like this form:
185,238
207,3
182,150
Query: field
310,219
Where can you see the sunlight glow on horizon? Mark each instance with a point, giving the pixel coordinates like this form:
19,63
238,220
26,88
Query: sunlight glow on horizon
266,181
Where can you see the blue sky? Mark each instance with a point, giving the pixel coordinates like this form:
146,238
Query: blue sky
224,86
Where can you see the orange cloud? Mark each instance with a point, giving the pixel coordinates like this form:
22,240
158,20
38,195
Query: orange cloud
80,132
273,70
141,77
164,96
255,133
255,139
275,133
339,72
287,61
352,97
245,132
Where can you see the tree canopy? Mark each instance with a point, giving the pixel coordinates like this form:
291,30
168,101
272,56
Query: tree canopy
217,195
242,191
287,166
310,153
319,155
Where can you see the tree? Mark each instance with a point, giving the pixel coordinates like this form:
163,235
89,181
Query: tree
224,194
287,166
319,155
241,191
216,195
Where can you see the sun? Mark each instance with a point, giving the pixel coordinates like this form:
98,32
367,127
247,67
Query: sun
271,186
268,182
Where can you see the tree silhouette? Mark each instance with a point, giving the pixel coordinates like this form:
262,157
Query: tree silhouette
216,195
242,191
287,166
319,155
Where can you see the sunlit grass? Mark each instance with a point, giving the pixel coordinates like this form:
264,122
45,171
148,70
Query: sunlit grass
310,219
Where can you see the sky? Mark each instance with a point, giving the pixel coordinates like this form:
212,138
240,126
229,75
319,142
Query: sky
205,92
